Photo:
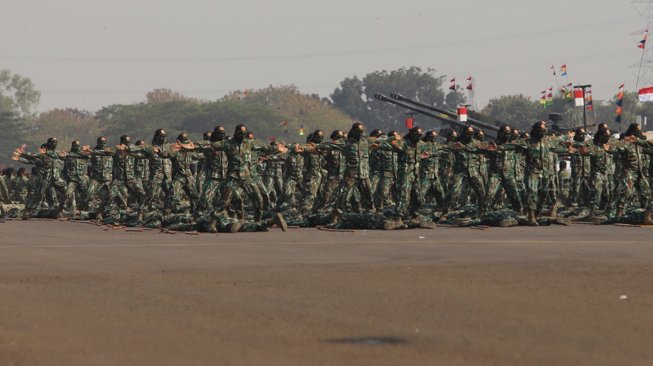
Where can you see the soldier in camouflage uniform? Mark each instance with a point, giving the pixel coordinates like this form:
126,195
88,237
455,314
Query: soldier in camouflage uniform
375,162
293,179
633,176
564,183
335,168
75,173
466,170
355,150
142,166
312,172
183,181
384,177
503,172
540,152
431,186
125,188
160,166
273,176
581,171
238,151
216,166
21,186
99,190
48,162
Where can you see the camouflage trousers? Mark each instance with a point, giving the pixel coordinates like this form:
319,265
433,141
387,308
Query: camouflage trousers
431,188
460,181
210,196
409,195
348,187
55,189
330,189
311,186
76,192
153,198
581,188
274,186
539,187
184,185
122,191
98,194
293,187
601,184
382,188
509,185
249,187
633,184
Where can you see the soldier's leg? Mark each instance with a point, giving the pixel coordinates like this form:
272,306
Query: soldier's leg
254,194
494,186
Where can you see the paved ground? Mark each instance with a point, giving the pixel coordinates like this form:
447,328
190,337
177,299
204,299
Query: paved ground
74,294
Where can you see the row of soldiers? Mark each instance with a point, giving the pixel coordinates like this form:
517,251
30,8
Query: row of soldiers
353,179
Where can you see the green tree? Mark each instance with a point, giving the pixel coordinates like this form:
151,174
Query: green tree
355,96
13,134
66,125
17,94
516,110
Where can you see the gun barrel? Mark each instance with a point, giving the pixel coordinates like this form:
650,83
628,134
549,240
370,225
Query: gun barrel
471,120
443,117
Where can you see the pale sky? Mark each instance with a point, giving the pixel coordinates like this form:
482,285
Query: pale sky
88,54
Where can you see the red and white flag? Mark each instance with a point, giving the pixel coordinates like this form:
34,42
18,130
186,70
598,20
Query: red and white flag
579,97
646,94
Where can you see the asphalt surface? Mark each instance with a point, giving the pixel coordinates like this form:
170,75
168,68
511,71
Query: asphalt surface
76,294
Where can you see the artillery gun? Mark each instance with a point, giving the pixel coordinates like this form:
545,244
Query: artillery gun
440,114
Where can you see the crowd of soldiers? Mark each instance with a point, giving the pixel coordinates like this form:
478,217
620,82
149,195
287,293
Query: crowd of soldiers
350,180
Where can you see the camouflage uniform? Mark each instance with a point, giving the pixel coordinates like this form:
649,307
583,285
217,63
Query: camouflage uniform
466,171
293,178
633,179
77,180
99,190
273,177
503,175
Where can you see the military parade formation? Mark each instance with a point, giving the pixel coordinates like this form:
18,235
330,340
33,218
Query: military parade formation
352,180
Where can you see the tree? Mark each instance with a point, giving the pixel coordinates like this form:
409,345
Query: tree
454,99
516,110
66,125
355,96
17,94
13,129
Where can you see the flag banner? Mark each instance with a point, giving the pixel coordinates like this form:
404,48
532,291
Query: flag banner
579,98
646,94
462,114
563,70
409,122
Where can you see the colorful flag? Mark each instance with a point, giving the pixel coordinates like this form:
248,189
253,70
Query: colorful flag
469,84
619,102
453,84
646,94
642,43
563,70
589,104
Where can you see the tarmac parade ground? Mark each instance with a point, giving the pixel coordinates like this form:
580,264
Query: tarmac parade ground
81,294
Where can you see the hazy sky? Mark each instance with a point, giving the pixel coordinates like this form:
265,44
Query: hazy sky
88,54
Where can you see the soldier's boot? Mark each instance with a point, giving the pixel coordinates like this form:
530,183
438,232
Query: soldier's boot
280,221
393,225
648,217
234,227
425,224
620,212
553,213
532,219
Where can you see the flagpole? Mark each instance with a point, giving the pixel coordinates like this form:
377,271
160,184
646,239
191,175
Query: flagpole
639,71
